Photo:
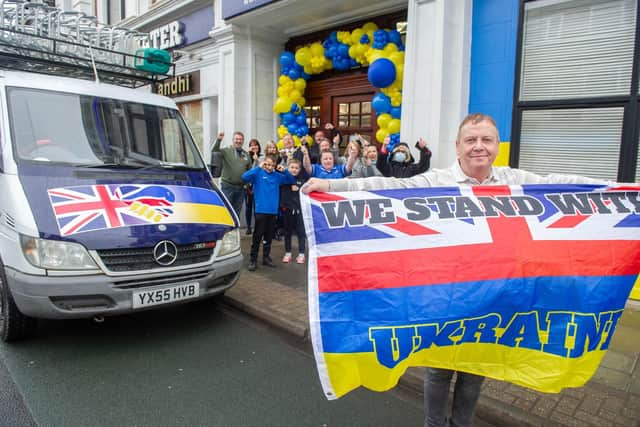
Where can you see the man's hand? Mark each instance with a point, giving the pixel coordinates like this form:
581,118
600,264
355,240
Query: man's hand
385,145
280,168
304,150
220,136
316,184
422,143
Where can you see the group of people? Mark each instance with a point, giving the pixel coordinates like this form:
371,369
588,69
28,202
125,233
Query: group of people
268,183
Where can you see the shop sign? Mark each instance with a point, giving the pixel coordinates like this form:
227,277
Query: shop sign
182,85
231,8
167,36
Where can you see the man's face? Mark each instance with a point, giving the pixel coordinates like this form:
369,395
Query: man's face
477,147
287,141
238,141
267,165
327,160
294,169
324,145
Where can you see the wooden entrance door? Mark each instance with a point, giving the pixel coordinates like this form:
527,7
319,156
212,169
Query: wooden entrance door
345,101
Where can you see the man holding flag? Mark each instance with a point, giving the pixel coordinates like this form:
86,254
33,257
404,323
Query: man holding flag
477,145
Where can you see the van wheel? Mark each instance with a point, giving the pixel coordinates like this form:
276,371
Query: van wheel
14,325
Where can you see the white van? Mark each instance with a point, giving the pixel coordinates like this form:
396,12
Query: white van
107,205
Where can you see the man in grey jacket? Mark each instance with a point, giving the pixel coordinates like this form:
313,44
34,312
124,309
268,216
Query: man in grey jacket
476,148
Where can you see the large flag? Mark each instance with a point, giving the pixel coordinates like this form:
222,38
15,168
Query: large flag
523,283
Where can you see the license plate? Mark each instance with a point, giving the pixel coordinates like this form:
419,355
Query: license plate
165,295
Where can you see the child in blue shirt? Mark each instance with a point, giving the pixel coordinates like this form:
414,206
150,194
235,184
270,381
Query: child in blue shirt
266,183
327,169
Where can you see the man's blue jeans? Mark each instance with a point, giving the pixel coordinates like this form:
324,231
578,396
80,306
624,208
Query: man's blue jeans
436,397
235,195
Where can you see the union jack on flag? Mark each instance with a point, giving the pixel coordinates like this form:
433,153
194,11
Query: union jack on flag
95,207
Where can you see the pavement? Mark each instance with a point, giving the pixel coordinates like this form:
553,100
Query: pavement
611,398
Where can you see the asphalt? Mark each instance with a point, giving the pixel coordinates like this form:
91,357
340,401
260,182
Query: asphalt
611,398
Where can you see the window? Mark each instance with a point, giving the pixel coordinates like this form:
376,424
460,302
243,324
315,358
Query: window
577,110
354,114
192,113
313,115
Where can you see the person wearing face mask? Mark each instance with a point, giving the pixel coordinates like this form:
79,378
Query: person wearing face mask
399,163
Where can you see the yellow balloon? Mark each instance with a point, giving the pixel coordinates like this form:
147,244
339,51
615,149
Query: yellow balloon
308,69
394,126
280,145
383,120
282,131
300,84
303,56
302,101
397,57
381,134
390,48
369,27
317,49
296,140
283,105
294,95
356,35
283,79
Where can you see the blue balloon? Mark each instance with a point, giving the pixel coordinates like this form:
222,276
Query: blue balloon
395,37
292,128
294,74
295,108
288,118
382,72
301,119
305,75
365,39
381,103
343,50
395,112
287,59
303,130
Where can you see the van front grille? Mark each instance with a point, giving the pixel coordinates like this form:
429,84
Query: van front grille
141,259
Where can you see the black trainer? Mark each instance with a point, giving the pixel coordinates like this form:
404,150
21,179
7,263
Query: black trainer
268,262
248,232
252,266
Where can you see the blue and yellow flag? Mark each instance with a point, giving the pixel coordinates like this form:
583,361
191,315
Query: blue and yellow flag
524,283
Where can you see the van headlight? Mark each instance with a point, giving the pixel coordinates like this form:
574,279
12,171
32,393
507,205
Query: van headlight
56,255
230,243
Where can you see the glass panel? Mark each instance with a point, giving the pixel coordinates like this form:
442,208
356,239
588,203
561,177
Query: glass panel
355,108
354,122
366,121
366,107
315,122
343,121
572,141
192,113
343,108
577,49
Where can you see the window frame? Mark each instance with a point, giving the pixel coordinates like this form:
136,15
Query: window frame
628,158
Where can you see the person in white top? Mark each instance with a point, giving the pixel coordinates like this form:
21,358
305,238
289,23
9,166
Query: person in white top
476,148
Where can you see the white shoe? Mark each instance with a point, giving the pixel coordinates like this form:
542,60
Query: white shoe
300,259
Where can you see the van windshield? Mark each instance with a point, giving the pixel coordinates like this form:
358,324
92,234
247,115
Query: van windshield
88,131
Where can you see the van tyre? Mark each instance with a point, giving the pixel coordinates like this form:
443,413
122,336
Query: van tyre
14,325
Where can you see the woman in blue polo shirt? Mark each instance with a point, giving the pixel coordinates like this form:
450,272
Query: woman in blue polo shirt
327,168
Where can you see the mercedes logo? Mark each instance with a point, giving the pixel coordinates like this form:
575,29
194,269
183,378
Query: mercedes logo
165,252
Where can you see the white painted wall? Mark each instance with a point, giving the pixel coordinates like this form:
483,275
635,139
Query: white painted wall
436,76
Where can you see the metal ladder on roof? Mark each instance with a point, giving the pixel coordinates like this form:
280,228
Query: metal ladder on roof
37,37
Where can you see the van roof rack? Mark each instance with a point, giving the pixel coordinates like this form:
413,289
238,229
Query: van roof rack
39,38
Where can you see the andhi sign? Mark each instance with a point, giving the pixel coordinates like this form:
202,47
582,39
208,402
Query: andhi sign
523,283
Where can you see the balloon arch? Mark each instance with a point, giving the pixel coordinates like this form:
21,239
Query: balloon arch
382,50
